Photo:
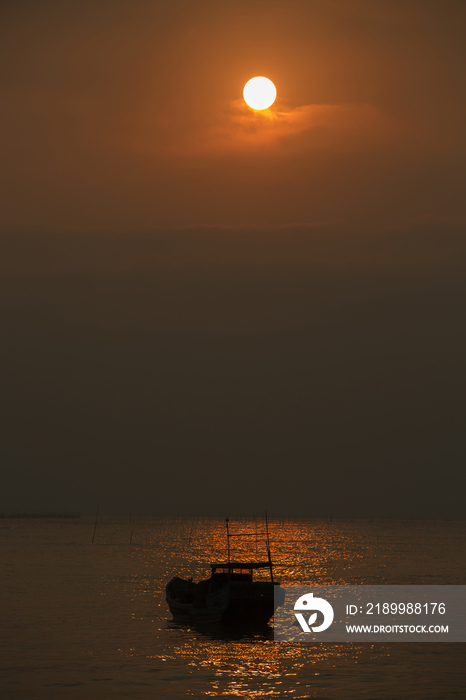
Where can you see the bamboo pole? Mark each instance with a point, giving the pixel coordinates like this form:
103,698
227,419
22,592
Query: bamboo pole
95,526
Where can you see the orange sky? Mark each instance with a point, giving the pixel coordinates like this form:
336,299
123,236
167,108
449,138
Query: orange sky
128,115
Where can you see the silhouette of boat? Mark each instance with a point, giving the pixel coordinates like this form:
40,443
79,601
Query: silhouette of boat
230,595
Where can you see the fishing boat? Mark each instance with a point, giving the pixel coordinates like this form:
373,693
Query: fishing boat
230,595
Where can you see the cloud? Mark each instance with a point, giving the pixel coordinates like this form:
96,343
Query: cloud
242,128
233,127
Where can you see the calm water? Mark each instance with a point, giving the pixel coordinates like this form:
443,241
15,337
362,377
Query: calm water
90,621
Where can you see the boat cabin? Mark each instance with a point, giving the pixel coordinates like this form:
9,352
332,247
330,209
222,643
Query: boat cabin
224,572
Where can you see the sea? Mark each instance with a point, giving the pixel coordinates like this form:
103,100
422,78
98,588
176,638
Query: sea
83,612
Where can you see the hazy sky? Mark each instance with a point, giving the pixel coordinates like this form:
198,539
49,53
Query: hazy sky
209,309
129,114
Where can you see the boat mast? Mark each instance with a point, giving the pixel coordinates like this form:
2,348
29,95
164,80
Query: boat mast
268,547
228,539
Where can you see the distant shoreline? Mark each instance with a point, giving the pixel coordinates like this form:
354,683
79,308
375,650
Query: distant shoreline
40,515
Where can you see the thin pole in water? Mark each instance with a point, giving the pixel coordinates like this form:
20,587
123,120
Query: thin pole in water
228,539
95,526
131,538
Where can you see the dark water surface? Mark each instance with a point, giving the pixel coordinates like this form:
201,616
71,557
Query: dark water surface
90,621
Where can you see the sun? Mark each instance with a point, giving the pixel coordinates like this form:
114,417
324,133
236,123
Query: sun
259,93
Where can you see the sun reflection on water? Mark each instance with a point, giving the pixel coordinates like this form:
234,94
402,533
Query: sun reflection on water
248,669
248,664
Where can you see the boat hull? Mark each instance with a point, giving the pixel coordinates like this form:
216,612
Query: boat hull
235,603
